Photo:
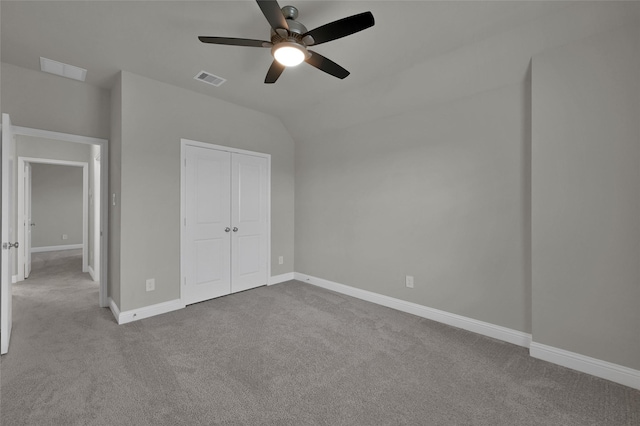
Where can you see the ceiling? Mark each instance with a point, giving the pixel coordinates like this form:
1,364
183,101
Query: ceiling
158,39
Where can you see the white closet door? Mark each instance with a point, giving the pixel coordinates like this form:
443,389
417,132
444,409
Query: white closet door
249,215
208,234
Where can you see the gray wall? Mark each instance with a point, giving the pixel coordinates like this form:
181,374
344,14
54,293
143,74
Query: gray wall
429,174
437,193
49,102
29,146
155,116
586,197
115,149
56,205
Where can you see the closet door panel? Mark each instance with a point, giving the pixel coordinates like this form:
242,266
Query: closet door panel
208,200
249,215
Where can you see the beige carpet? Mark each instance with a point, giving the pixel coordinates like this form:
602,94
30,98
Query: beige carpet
289,354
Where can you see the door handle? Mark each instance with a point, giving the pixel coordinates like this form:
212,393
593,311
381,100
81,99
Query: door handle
227,229
235,229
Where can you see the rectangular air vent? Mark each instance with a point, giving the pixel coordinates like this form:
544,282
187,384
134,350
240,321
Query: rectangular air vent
61,69
209,78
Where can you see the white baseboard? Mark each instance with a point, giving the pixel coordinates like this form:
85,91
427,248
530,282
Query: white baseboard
14,279
487,329
114,309
277,279
603,369
90,271
146,312
56,248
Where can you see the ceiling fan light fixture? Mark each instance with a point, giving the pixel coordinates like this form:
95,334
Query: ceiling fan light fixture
290,39
289,54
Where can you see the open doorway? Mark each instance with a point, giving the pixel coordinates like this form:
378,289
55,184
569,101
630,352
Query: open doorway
55,198
61,221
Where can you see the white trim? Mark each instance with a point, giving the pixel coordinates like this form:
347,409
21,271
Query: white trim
66,137
85,207
183,214
277,279
20,221
149,311
595,367
114,309
104,223
56,248
268,157
85,218
96,209
185,142
487,329
91,272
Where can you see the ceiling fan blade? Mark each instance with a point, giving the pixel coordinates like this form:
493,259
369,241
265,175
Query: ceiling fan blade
274,72
326,65
341,28
235,41
271,11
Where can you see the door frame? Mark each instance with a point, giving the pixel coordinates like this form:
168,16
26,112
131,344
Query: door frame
8,189
21,200
103,301
183,200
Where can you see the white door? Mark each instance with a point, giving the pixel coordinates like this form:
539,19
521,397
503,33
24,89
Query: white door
249,222
207,227
8,151
28,222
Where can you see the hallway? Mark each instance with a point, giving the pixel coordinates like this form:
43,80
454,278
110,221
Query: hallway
54,275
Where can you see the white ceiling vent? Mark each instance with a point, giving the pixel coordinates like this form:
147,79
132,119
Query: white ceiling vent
64,70
209,78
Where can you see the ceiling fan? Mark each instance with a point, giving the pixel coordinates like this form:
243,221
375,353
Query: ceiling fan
290,39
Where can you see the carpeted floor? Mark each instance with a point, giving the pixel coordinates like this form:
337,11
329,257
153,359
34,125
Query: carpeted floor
289,354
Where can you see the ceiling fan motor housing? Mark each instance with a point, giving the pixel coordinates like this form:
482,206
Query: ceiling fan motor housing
296,29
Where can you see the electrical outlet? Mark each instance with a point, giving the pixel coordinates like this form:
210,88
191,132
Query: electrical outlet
409,281
65,237
151,284
281,260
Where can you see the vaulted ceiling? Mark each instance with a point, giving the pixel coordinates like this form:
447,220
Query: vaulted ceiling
159,40
417,53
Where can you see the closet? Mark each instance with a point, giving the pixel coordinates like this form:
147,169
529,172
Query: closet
225,235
